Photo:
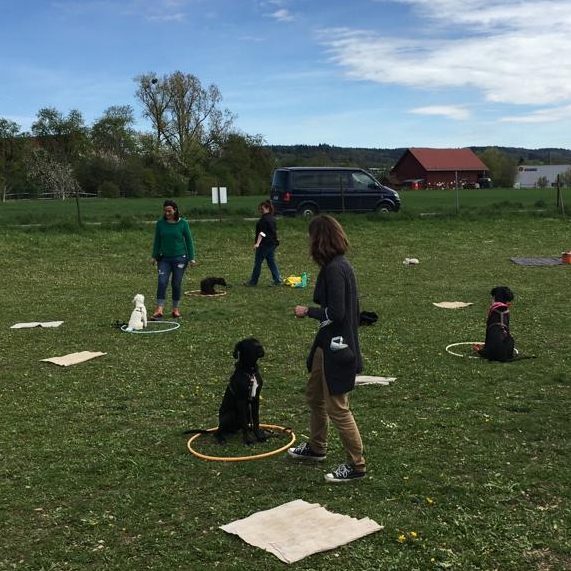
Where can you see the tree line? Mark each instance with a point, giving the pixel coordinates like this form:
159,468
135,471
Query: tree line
192,145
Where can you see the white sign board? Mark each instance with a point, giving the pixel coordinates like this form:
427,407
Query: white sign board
219,195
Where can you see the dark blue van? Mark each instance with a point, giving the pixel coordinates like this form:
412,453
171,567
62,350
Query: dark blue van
309,190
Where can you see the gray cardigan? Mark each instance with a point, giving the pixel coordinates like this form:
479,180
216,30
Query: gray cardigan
338,314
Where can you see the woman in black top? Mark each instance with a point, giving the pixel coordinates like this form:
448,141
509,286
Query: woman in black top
265,244
335,356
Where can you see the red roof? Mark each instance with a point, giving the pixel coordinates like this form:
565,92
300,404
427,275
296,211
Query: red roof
447,159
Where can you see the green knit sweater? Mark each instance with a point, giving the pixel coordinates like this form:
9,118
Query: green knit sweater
173,239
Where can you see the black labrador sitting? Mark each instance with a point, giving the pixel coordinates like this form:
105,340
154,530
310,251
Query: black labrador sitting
240,407
499,344
207,285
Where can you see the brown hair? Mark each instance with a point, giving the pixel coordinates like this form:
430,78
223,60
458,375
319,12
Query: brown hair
174,205
267,204
327,239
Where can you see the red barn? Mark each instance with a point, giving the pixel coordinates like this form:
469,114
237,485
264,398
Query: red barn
440,168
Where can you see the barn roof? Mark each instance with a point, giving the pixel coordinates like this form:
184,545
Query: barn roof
447,159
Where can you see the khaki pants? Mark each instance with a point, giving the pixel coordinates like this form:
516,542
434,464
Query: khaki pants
324,406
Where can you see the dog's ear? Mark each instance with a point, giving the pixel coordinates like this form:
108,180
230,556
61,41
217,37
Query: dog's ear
237,349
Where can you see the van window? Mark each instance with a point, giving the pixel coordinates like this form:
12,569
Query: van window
280,179
361,180
320,180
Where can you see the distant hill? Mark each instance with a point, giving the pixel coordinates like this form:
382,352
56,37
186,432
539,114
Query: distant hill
383,159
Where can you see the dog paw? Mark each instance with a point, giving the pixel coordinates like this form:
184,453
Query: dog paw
262,435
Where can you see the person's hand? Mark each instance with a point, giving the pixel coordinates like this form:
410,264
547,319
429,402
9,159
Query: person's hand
154,261
192,262
301,310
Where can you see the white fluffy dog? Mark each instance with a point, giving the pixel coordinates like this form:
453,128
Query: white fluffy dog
138,319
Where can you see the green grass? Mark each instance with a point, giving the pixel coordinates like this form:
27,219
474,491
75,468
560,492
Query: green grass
131,212
473,456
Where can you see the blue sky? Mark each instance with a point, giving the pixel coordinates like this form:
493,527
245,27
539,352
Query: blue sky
361,73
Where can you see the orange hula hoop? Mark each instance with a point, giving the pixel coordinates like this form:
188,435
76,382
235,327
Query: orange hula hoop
242,458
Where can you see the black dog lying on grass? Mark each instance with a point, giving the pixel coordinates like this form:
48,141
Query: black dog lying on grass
499,343
207,285
240,407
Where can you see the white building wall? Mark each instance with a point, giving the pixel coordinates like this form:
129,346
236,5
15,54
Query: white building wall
528,175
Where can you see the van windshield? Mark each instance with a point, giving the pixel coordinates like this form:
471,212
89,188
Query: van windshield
280,179
362,180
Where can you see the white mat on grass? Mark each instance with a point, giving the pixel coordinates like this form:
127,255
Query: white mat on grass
369,380
74,358
297,529
36,324
451,304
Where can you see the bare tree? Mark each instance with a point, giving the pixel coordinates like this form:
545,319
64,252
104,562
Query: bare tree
56,177
186,117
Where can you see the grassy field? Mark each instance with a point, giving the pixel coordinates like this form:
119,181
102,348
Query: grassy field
471,456
125,212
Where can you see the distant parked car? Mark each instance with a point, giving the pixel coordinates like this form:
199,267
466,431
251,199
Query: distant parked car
310,190
413,184
485,182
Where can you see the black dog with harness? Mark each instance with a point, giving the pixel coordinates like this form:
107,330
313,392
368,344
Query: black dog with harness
499,344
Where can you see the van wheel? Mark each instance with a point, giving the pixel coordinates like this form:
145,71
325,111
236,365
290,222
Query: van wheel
307,210
384,207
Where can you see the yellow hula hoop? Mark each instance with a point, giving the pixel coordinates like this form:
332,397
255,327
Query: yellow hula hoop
242,458
198,293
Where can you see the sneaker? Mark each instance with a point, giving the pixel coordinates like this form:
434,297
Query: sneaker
344,473
304,452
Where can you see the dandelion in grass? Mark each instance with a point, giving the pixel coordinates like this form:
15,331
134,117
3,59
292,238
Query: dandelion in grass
401,538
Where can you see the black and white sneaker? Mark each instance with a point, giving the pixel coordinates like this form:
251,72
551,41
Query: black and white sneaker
304,452
344,473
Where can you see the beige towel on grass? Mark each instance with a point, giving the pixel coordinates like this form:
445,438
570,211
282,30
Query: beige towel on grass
369,380
451,304
36,324
74,358
297,529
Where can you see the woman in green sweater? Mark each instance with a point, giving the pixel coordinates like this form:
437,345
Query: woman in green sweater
173,250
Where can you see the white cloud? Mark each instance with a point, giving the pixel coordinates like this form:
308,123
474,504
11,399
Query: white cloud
512,51
541,116
282,15
451,111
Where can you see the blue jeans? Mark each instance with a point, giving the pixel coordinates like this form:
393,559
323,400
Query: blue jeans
167,266
268,254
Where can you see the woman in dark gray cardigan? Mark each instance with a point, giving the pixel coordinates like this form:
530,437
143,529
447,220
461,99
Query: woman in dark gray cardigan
335,357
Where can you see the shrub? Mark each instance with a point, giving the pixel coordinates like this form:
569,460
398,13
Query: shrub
108,189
